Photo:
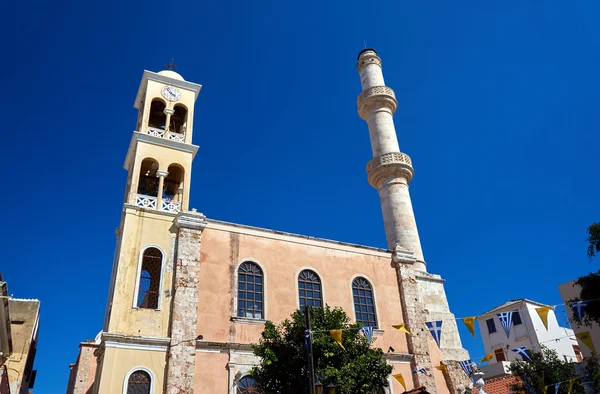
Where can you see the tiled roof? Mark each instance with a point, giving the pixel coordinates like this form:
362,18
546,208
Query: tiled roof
499,385
512,303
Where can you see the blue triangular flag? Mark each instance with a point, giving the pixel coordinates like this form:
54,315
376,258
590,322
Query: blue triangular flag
423,371
435,328
307,339
367,332
506,321
466,366
556,387
523,352
579,308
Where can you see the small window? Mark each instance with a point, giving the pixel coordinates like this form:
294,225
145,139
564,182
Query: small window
364,303
491,326
250,291
517,319
500,355
149,280
309,289
247,385
577,351
139,383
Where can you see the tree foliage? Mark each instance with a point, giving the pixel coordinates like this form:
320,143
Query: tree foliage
360,368
593,240
590,284
545,368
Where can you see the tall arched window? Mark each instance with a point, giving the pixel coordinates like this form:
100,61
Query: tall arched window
139,383
149,279
250,291
247,385
157,118
364,303
309,289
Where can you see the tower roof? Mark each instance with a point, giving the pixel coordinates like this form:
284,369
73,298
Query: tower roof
512,303
171,74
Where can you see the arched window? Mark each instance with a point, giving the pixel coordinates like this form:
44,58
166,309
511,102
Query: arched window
157,118
139,383
149,280
309,288
178,120
250,291
364,303
247,385
148,181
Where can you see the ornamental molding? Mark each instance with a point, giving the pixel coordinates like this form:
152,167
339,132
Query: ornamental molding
191,220
367,58
162,173
376,97
389,165
403,256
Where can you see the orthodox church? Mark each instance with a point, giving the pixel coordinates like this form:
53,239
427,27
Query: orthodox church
189,295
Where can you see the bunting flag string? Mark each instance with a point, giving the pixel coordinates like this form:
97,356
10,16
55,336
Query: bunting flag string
586,338
400,379
470,323
421,370
435,328
543,313
466,366
442,368
506,321
523,352
579,308
401,327
487,358
368,333
337,336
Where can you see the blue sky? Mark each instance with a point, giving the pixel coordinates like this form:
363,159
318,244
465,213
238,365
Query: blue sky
498,108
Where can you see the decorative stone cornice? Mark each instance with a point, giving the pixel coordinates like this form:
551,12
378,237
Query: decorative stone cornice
403,256
367,57
192,220
395,164
376,97
162,173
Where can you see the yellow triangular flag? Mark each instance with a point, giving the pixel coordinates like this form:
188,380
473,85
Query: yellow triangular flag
442,368
487,357
400,378
587,340
571,381
337,335
470,323
401,327
543,312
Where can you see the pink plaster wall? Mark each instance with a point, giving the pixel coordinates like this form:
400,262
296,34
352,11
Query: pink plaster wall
211,374
281,261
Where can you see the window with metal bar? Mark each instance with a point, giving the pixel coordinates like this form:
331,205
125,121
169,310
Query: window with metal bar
139,383
250,291
247,385
309,289
364,302
149,281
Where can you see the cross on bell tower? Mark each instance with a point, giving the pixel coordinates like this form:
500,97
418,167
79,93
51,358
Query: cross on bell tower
171,65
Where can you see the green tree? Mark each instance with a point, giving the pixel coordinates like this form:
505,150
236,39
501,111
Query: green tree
590,284
545,368
360,368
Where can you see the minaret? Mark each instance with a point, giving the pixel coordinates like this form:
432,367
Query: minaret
390,170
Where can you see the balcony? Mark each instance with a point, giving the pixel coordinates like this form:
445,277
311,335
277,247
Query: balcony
147,195
171,135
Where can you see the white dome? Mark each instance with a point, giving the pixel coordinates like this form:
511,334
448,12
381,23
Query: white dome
171,74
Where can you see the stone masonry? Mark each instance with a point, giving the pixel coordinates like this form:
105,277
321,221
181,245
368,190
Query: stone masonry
184,315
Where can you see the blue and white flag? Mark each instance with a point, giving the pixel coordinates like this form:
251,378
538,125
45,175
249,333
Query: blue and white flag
523,352
579,308
556,387
506,321
307,339
367,332
466,366
435,328
421,370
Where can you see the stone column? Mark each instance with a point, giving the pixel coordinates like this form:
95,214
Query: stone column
168,112
161,184
390,170
181,357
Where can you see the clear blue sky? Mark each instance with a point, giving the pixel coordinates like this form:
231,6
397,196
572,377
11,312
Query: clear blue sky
498,107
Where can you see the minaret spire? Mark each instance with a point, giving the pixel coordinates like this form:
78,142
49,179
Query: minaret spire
390,170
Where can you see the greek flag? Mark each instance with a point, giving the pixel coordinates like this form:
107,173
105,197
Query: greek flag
421,370
579,308
435,328
506,321
523,352
466,366
556,387
306,339
367,332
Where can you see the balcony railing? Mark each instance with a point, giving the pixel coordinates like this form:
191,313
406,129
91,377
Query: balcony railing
171,135
149,202
171,205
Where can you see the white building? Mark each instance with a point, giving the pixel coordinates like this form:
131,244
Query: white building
527,331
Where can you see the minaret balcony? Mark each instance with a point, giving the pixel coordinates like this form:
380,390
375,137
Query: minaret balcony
170,135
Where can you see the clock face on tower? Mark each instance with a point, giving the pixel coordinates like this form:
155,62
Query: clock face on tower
171,93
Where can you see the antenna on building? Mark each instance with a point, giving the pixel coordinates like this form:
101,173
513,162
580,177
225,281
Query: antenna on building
365,43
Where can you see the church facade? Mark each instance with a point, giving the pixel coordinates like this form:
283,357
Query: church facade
189,295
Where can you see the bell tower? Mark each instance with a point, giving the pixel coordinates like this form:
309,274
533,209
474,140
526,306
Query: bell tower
159,164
